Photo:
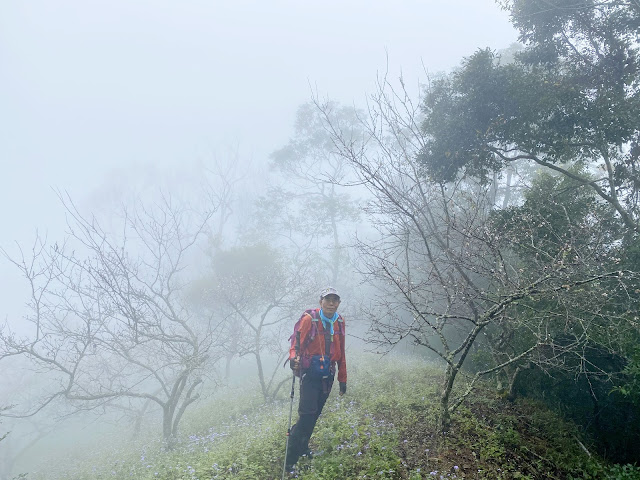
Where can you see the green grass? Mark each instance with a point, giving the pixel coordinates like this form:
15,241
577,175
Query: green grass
384,428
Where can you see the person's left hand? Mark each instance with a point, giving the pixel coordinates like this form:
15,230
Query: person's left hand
294,363
343,388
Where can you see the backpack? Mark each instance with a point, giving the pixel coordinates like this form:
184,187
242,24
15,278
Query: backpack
305,360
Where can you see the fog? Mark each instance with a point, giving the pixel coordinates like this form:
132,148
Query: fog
104,101
97,94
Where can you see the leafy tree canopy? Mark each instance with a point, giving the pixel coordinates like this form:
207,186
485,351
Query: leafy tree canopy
569,99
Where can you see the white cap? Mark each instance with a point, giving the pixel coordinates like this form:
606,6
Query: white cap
329,291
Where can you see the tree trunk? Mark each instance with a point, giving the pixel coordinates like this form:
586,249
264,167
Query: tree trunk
507,188
445,415
511,394
263,384
137,426
335,256
168,411
227,367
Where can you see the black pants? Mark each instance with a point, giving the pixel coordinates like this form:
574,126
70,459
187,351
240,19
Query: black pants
313,395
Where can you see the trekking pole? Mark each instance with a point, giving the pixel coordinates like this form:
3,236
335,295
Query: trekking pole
293,384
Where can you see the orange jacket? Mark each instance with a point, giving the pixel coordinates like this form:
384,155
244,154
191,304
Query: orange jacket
316,345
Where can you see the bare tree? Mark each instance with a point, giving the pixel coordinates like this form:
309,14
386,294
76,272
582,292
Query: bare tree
2,409
443,274
259,292
222,181
18,447
311,201
108,323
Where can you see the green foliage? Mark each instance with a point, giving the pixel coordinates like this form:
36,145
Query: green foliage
563,101
383,429
247,271
631,387
524,441
561,222
599,471
562,225
309,166
558,211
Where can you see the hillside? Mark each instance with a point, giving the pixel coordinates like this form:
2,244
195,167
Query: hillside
384,428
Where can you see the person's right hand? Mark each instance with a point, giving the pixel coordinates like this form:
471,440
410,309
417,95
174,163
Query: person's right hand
294,363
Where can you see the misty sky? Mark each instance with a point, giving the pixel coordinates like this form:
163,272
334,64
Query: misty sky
95,91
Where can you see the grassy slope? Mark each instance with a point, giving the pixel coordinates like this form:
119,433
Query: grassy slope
384,428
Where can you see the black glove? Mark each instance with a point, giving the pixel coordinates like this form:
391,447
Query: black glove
294,363
343,388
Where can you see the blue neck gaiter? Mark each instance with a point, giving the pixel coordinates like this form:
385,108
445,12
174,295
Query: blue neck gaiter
327,323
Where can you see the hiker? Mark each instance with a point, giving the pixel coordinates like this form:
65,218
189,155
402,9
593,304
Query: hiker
321,331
